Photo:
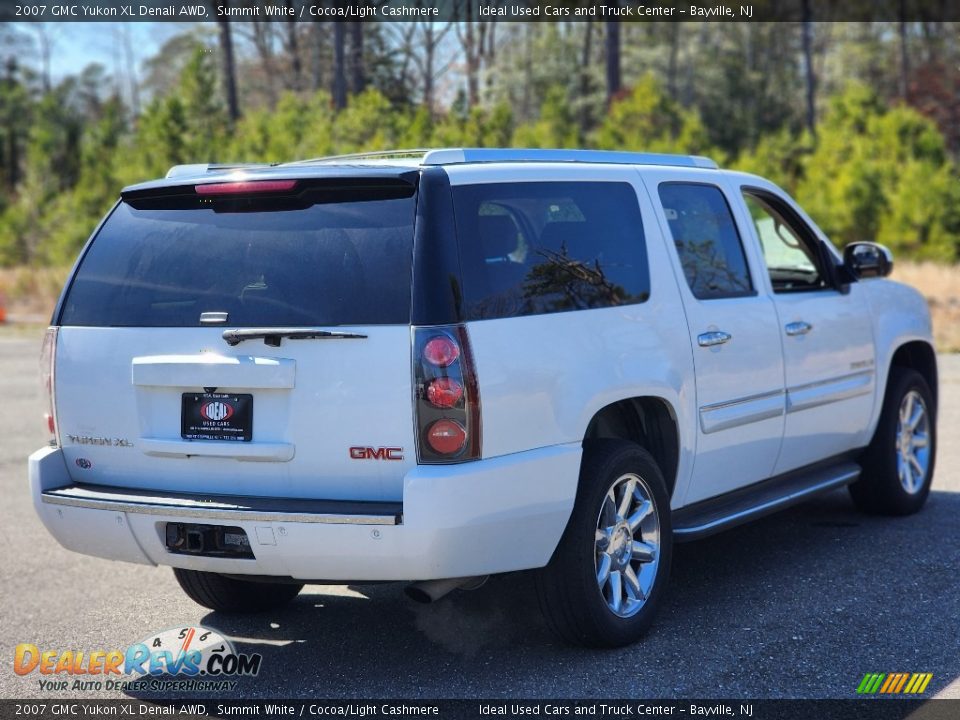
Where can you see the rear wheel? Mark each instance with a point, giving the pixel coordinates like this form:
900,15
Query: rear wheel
229,595
606,579
898,464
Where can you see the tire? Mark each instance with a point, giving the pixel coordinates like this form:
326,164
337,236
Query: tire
890,484
576,604
229,595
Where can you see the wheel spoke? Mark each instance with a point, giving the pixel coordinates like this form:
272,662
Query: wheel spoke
646,507
602,539
616,591
643,552
603,572
920,441
918,467
633,583
906,409
916,416
627,498
608,513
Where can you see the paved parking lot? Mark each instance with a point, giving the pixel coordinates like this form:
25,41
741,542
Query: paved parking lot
802,604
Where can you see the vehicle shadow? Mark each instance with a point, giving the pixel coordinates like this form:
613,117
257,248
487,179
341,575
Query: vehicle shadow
800,604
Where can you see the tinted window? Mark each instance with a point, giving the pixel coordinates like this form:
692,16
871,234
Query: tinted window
291,263
531,248
790,260
707,240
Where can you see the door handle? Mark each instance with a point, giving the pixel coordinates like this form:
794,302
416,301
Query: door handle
798,328
714,337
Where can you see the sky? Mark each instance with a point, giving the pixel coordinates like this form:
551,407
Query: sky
75,45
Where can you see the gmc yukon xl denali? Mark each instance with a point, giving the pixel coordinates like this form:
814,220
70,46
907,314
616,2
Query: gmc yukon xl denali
433,366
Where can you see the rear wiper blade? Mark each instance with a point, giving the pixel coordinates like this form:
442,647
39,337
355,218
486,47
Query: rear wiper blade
272,336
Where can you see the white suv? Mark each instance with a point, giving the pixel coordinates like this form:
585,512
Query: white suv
439,365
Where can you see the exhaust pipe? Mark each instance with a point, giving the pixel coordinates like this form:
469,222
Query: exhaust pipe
430,591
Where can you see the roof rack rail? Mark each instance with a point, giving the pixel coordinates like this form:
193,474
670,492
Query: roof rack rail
457,156
615,157
414,154
202,168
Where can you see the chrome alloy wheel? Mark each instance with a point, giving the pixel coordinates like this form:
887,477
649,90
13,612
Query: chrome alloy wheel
627,545
913,442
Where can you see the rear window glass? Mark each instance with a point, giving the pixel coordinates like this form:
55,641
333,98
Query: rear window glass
163,262
544,247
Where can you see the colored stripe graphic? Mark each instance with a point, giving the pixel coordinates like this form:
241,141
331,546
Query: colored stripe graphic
903,681
894,683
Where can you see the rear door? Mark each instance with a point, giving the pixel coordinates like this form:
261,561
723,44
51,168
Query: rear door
733,331
149,393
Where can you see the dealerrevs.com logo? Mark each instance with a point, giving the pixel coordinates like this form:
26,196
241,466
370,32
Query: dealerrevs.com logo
191,658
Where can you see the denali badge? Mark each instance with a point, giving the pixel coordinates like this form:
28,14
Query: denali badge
380,453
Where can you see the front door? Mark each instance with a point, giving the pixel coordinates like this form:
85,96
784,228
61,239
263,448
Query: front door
827,336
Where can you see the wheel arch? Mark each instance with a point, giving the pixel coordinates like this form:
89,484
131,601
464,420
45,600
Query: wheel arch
916,355
648,421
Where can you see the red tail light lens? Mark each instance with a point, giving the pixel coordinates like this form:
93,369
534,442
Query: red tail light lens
441,351
446,437
447,396
48,354
444,392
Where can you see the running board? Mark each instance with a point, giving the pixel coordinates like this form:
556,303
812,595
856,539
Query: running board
740,506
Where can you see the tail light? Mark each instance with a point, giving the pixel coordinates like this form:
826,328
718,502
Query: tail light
447,395
48,356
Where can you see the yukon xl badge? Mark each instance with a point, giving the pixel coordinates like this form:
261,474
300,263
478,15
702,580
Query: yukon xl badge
379,453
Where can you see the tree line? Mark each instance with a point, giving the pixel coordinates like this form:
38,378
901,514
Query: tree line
859,121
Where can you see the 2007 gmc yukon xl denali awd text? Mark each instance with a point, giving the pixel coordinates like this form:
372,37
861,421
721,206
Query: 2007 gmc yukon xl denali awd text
432,366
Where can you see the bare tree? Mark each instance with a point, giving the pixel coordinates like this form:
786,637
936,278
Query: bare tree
476,41
614,79
358,79
904,79
293,49
131,70
585,57
261,34
228,67
45,45
418,44
810,76
339,66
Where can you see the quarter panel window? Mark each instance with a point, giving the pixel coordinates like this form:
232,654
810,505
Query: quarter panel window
707,241
529,248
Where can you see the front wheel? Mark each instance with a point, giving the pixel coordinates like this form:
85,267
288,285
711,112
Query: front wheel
229,595
898,464
606,578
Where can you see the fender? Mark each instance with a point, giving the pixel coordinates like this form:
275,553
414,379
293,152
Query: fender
900,315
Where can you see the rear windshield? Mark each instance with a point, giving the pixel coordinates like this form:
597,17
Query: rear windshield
323,258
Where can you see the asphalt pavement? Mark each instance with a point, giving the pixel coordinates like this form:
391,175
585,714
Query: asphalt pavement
798,605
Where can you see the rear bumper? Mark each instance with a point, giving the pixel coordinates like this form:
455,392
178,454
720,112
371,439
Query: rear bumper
490,516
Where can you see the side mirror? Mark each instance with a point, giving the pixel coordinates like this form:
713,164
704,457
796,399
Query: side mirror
867,260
